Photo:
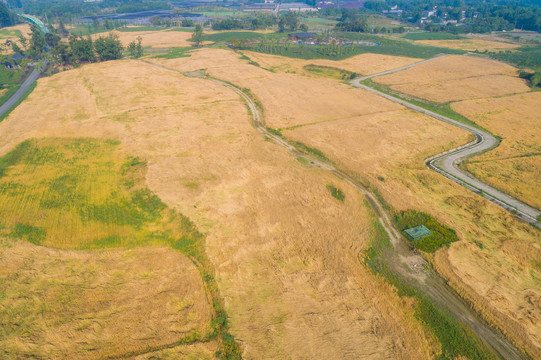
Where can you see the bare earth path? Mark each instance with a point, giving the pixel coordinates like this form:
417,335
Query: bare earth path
447,163
398,258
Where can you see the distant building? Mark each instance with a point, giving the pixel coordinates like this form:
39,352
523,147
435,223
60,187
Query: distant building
297,6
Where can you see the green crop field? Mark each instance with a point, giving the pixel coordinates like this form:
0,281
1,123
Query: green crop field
331,72
4,34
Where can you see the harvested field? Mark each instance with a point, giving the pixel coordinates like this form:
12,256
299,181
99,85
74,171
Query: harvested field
96,304
364,64
454,78
285,251
515,165
480,45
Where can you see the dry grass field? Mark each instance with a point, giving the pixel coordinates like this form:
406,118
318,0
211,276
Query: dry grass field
359,139
65,304
155,39
284,250
363,64
515,165
474,44
454,78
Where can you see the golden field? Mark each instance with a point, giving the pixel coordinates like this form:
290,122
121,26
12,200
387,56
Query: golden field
285,284
96,304
156,39
474,44
515,165
454,78
363,64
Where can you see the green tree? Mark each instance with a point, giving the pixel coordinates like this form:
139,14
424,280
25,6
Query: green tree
197,35
108,48
135,49
62,54
290,20
37,42
82,49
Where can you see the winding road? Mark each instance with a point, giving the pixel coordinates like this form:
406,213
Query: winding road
448,162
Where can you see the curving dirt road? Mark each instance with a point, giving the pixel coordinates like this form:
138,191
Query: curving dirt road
447,163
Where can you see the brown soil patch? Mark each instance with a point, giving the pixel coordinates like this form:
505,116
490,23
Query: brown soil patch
480,45
454,78
285,251
363,64
96,304
515,165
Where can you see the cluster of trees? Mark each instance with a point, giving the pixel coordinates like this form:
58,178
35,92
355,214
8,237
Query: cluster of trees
353,21
7,18
82,50
257,21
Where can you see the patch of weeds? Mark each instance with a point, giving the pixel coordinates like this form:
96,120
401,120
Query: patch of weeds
301,146
331,72
381,178
175,53
302,160
32,234
441,235
191,185
336,192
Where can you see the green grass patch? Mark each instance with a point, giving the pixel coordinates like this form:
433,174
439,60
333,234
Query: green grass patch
336,192
303,160
387,46
32,234
140,28
330,72
456,340
4,33
439,108
432,36
226,36
175,52
441,235
18,102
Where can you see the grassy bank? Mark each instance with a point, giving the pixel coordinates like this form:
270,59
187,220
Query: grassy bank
439,108
18,102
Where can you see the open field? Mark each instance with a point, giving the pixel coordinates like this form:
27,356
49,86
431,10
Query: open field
96,304
291,279
156,39
13,32
454,78
515,165
364,64
474,44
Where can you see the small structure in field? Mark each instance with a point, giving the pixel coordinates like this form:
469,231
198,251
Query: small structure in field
418,232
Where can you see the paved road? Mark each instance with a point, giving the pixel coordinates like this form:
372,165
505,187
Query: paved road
447,163
13,99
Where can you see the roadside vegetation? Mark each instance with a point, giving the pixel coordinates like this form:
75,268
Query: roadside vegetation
441,235
80,194
330,72
455,339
